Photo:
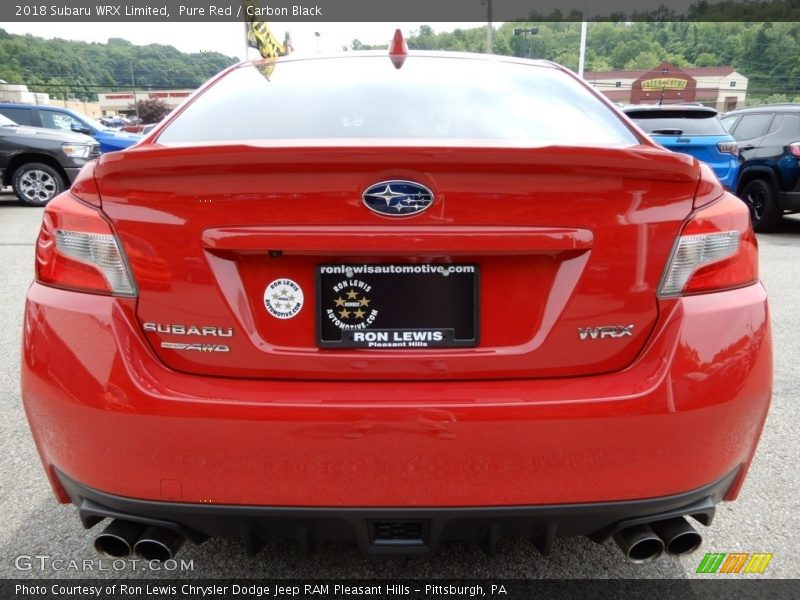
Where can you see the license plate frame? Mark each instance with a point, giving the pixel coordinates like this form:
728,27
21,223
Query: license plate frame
397,306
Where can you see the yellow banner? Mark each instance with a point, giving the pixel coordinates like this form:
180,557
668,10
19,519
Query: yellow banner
259,35
664,83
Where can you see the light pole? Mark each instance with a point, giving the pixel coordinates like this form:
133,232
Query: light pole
317,34
582,54
526,31
584,27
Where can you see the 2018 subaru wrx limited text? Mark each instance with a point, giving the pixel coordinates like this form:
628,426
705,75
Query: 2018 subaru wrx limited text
327,299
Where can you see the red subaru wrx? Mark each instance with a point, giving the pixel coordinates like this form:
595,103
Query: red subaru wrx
396,302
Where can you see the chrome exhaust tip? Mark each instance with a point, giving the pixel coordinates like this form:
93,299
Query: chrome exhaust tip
159,544
678,536
118,538
639,543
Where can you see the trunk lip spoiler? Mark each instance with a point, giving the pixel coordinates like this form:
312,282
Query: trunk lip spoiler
398,239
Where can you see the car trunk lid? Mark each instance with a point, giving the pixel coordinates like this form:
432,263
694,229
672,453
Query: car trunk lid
566,246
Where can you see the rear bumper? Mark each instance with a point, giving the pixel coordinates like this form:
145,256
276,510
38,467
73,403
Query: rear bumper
383,530
107,413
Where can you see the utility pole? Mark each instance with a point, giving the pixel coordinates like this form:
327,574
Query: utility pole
30,78
133,87
489,31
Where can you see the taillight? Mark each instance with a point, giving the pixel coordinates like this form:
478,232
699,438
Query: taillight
716,250
794,149
728,148
77,250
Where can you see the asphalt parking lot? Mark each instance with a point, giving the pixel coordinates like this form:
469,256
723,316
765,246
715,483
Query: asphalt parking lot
764,519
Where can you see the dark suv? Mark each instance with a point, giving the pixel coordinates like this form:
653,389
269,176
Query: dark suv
41,163
769,150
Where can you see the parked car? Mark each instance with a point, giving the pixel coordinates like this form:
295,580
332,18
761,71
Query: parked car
116,122
694,130
769,147
40,163
135,125
378,312
63,119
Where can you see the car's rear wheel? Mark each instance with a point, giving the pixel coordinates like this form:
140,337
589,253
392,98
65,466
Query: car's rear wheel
37,183
759,196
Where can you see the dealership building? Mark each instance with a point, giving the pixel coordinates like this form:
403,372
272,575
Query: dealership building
121,103
719,87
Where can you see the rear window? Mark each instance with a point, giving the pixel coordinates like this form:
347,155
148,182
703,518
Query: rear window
21,116
687,123
432,99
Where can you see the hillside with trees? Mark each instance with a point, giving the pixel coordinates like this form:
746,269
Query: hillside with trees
82,69
767,53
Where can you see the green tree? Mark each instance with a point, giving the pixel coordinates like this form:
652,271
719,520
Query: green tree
644,60
81,70
706,59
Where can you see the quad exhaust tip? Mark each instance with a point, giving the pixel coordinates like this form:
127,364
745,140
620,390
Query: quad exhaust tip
639,543
118,538
158,543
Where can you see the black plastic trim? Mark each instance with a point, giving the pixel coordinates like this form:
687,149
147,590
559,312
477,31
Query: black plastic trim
256,524
72,172
789,201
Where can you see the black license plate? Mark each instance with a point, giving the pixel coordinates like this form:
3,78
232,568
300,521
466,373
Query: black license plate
397,306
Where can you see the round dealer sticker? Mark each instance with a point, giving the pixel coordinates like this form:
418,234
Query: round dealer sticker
283,298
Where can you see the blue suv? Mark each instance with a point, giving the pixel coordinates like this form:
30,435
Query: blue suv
694,130
63,119
769,147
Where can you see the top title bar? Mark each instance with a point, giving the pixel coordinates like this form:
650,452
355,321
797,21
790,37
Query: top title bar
398,10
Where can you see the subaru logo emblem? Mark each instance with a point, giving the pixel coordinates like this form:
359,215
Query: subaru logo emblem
397,198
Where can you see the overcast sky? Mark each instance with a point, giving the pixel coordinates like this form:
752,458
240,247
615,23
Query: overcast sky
225,37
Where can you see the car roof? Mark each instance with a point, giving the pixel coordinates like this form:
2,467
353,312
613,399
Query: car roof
16,104
20,104
668,110
783,107
39,106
